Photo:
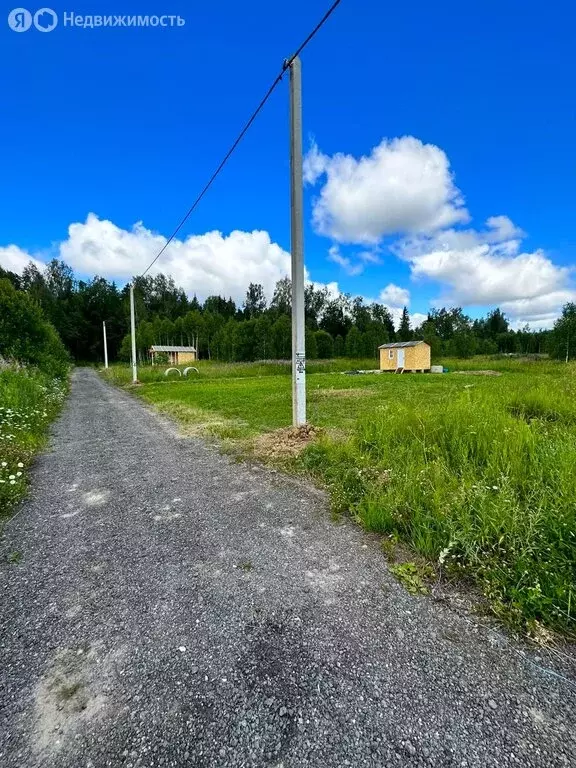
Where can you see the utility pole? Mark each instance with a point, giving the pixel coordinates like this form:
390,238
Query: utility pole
297,248
105,345
133,335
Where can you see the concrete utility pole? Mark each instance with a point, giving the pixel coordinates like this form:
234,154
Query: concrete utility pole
105,345
297,248
133,335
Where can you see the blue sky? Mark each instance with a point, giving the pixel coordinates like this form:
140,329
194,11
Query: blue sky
128,123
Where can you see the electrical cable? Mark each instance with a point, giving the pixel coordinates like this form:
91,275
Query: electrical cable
243,132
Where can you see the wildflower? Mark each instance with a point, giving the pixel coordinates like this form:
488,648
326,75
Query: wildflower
444,554
12,482
11,477
20,464
4,463
494,487
18,474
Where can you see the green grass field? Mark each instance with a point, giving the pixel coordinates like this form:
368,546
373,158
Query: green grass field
476,473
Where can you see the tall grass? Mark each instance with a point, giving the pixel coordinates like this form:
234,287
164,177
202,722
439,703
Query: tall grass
121,374
506,364
485,485
29,400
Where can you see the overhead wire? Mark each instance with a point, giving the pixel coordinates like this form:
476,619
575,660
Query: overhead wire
243,132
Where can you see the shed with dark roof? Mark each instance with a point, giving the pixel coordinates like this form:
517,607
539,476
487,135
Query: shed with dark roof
176,355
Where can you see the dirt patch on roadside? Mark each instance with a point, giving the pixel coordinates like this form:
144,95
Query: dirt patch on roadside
195,422
478,373
284,443
71,695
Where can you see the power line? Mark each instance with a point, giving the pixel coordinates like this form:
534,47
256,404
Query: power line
299,50
243,132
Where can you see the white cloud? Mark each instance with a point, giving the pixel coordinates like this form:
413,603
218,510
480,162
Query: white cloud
332,289
395,299
488,268
370,257
482,276
347,264
203,264
357,264
503,229
314,164
402,187
206,264
538,312
394,296
417,318
14,259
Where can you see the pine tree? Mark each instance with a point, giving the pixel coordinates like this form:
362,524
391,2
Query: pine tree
404,332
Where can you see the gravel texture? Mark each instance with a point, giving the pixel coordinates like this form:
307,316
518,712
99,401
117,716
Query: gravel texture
173,608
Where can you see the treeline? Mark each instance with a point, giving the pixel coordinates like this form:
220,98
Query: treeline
451,333
26,336
260,328
76,308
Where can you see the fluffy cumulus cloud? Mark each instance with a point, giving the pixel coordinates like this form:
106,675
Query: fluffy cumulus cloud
394,296
14,259
489,268
402,186
405,189
395,299
206,264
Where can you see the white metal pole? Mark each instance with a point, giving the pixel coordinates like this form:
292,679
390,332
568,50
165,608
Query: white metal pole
133,335
297,248
105,345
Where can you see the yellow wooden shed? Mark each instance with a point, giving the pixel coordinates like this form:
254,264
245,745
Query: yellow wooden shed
176,355
405,356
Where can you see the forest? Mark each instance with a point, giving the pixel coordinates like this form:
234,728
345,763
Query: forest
260,327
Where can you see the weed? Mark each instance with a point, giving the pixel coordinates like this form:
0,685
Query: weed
389,545
413,576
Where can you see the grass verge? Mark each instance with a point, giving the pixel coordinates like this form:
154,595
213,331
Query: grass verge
29,401
483,486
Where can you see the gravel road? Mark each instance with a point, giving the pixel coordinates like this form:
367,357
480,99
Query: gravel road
173,608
